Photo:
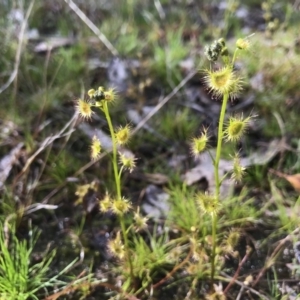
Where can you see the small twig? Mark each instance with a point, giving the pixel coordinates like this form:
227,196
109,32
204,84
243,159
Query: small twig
253,291
48,141
93,27
236,274
240,293
156,285
279,174
53,192
71,287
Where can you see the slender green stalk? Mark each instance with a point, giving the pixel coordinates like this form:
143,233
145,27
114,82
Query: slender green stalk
219,144
217,181
118,183
213,255
121,171
114,149
124,232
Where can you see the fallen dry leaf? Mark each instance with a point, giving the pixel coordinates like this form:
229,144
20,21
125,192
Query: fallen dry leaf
294,179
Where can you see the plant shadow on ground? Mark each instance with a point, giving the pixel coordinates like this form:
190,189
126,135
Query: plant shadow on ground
48,181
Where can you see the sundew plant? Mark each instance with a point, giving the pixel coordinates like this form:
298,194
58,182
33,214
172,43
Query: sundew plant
222,82
113,200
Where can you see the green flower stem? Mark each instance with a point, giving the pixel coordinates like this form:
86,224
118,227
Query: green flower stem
114,149
118,184
217,181
214,241
124,232
121,171
219,144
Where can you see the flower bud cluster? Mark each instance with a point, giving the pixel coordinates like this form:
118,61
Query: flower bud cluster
216,49
222,83
118,206
122,134
96,99
101,95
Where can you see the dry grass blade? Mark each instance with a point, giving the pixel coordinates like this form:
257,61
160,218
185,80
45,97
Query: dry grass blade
7,162
49,140
245,287
92,26
72,287
19,49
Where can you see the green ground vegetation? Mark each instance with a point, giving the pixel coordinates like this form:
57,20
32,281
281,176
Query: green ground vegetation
73,222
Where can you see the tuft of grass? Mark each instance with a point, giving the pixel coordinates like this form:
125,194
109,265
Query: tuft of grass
177,124
168,55
151,261
20,277
184,214
60,166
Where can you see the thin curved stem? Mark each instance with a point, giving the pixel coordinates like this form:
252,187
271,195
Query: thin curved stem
121,171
